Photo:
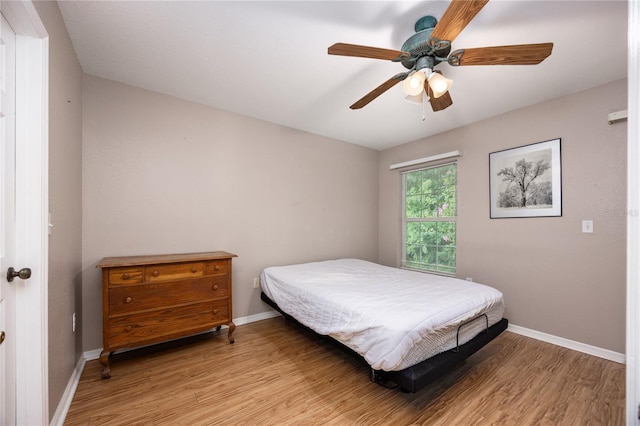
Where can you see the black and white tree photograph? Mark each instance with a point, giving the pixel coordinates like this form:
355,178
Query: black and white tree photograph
525,181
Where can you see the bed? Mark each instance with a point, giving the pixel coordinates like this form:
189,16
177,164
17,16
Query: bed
408,326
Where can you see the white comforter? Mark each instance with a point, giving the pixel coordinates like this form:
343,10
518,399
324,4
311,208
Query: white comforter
380,312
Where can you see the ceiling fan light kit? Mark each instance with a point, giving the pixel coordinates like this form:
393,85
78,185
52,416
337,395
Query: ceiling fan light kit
439,84
414,99
414,84
430,46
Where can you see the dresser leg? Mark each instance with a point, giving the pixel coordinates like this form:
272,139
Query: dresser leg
104,361
232,327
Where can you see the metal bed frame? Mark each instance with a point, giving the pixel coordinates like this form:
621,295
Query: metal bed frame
416,377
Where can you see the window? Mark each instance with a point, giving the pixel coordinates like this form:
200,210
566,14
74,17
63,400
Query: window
429,219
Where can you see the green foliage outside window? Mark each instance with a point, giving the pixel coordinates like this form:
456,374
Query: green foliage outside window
430,219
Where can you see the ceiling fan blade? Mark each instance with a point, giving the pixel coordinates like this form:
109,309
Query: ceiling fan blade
356,50
456,17
379,90
520,54
438,104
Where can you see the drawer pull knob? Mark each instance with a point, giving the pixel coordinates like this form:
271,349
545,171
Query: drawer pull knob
215,286
194,269
125,276
216,268
156,273
128,328
215,311
128,299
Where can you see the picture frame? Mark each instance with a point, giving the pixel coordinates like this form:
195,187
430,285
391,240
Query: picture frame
526,181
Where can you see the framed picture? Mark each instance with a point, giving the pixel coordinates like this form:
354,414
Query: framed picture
526,181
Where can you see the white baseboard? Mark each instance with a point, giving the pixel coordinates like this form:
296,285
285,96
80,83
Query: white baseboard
569,344
256,317
538,335
65,402
91,355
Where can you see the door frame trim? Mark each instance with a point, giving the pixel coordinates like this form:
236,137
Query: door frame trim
32,197
633,219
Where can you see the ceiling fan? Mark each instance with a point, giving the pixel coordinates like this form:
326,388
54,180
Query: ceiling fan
431,45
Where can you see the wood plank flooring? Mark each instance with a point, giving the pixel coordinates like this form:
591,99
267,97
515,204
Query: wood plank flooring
279,374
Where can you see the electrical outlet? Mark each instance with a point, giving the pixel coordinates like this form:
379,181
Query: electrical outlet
256,282
469,279
587,226
73,322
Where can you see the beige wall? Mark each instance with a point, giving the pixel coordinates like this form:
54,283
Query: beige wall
162,175
65,201
555,279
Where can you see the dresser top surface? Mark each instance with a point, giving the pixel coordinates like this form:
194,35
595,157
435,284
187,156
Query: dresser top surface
111,262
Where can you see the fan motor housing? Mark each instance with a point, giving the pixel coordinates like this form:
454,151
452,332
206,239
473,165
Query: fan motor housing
418,44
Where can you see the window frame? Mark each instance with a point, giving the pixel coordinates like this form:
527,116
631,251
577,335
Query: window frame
404,221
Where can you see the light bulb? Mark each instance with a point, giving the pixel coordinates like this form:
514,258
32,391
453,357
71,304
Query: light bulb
414,84
439,84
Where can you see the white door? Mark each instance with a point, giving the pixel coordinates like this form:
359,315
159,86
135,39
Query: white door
7,224
23,183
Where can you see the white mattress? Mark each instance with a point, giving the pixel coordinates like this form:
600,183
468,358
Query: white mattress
394,318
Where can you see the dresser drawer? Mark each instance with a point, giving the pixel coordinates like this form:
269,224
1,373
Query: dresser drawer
159,325
126,275
216,267
176,271
128,299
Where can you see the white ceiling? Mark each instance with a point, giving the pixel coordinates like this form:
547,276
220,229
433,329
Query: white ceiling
269,60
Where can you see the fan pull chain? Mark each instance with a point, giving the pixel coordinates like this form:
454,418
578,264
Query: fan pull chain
425,101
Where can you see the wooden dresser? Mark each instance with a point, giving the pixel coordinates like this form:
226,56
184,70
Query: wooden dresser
150,299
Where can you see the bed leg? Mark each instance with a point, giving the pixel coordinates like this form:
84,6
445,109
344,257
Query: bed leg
378,379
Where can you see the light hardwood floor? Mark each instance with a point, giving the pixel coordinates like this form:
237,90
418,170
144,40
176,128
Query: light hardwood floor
278,374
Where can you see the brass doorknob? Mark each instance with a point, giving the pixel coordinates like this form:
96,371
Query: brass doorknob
23,274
